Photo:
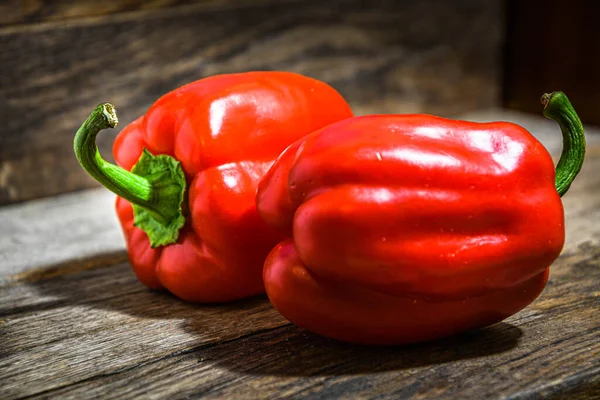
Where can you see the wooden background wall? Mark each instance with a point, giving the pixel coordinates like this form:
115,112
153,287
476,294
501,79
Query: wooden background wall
58,59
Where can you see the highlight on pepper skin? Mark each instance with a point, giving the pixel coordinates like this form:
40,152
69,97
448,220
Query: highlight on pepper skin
188,172
405,228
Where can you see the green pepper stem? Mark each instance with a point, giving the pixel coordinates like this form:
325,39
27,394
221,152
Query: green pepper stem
558,108
134,188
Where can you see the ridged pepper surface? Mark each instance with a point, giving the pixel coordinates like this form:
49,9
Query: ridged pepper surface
404,228
188,174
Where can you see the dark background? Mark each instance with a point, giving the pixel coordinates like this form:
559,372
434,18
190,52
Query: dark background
553,45
58,59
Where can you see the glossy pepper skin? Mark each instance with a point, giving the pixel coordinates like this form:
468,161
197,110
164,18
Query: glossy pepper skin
410,227
225,131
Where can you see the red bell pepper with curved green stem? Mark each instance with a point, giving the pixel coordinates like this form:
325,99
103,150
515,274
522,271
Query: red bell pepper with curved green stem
188,172
404,228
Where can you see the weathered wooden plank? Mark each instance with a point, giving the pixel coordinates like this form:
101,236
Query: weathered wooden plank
373,52
125,348
67,228
28,292
80,226
78,326
33,11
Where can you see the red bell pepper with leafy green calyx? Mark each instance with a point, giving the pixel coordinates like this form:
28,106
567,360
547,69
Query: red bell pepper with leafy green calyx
188,174
412,227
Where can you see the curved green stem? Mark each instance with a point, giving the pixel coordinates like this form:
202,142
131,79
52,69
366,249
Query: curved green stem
123,183
155,186
558,108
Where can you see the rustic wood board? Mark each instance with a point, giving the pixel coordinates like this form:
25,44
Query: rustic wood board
55,73
34,11
66,228
85,328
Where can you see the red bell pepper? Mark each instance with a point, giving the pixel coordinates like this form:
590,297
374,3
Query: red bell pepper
188,174
405,228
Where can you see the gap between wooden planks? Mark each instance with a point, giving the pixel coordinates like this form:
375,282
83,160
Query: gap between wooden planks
40,14
73,331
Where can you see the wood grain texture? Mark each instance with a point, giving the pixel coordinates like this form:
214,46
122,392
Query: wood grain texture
98,334
383,56
71,228
75,327
34,11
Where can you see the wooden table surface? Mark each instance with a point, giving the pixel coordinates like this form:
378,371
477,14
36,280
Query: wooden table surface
75,323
